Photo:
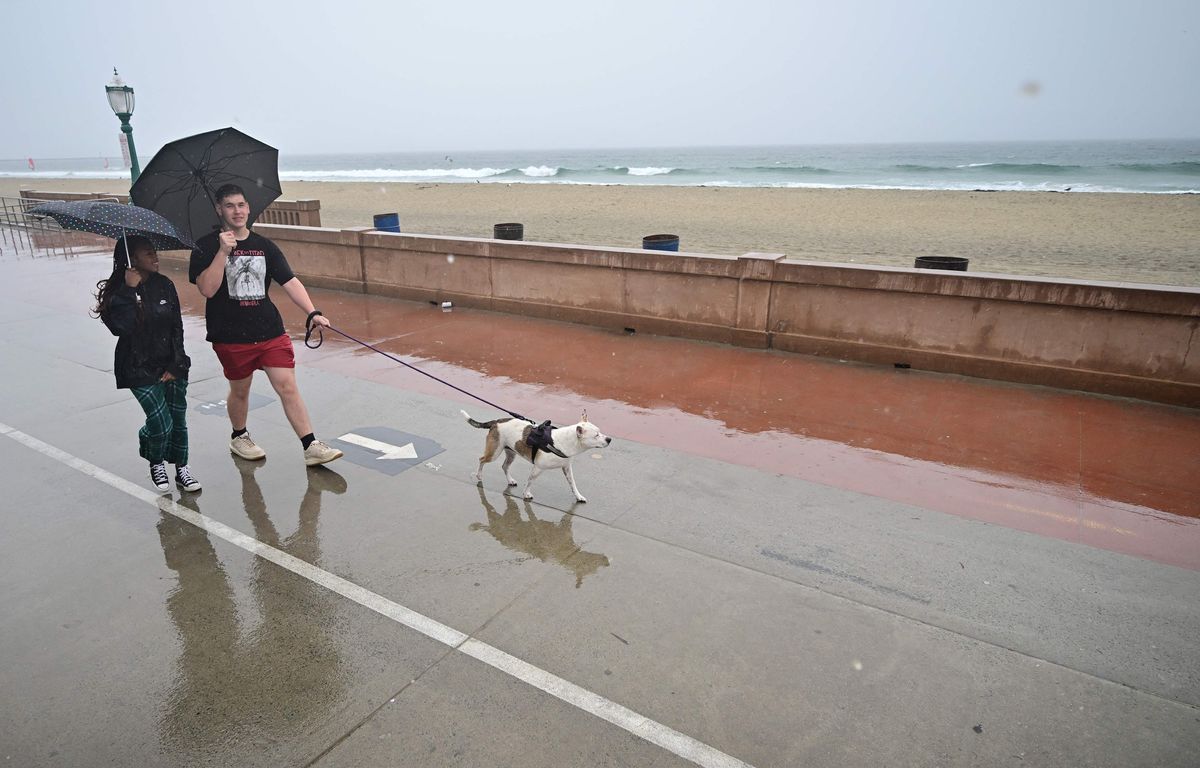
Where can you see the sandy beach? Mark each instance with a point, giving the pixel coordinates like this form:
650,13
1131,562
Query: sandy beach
1141,238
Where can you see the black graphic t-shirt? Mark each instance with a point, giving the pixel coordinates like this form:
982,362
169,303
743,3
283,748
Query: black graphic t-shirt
240,311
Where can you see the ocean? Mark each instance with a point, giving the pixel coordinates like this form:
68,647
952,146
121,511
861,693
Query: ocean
1143,166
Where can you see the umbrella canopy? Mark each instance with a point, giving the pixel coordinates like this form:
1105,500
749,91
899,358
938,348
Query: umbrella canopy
181,181
115,220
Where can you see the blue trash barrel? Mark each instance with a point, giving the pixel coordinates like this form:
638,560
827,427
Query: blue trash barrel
387,222
660,243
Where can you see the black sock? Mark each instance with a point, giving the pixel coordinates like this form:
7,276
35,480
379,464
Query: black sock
237,433
307,440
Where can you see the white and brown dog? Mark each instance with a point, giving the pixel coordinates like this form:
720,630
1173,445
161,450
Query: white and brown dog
511,436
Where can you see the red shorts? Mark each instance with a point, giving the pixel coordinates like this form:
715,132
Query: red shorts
241,360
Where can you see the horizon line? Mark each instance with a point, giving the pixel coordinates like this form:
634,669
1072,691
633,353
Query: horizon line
659,146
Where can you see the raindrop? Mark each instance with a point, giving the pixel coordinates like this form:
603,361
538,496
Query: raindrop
857,665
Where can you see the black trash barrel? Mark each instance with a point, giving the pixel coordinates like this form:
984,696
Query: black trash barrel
509,231
660,243
387,222
957,263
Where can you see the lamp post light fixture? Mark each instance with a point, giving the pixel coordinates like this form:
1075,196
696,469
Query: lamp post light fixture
120,98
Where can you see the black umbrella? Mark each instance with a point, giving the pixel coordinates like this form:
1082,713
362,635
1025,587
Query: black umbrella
115,220
181,181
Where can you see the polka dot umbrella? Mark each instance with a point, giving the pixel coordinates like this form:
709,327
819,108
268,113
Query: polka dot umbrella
181,181
115,220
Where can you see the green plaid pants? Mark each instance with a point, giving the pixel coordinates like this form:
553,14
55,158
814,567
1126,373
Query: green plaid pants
164,435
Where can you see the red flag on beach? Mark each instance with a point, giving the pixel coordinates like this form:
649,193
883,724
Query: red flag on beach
32,167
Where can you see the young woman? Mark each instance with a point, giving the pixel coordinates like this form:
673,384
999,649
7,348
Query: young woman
141,308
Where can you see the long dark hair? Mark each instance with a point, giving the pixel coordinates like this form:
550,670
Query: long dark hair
106,288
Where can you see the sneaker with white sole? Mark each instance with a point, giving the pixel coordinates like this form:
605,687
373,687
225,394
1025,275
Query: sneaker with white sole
158,476
320,453
185,480
243,446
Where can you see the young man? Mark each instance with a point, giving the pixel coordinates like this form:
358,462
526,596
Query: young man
233,269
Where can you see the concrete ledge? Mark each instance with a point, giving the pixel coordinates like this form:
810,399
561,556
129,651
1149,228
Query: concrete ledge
295,212
1130,297
30,194
1113,338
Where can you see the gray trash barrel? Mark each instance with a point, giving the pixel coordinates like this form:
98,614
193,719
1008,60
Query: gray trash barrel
957,263
509,231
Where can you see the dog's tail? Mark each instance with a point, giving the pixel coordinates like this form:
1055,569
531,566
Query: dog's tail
481,424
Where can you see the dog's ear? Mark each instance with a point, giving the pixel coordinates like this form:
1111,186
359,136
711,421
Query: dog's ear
584,418
579,430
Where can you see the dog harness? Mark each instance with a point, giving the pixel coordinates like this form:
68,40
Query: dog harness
540,439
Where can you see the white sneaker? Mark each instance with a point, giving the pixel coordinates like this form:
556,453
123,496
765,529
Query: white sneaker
184,479
158,476
243,446
319,453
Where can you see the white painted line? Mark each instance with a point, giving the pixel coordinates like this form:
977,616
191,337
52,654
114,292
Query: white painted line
639,725
643,727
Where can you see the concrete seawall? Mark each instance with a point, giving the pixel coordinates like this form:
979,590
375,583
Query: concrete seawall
1113,338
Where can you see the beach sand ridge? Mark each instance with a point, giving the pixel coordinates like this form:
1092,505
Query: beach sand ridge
1142,238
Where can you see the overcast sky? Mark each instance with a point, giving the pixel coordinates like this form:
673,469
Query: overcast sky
351,76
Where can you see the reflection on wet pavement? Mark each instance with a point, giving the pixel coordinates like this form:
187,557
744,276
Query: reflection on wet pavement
242,679
541,539
1107,472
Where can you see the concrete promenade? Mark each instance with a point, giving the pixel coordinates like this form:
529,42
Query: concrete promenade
783,561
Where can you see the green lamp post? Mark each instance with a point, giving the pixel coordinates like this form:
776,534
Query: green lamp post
120,98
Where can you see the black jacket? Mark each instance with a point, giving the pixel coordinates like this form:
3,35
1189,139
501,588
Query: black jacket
153,344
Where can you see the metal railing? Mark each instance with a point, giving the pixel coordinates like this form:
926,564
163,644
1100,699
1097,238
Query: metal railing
21,231
14,213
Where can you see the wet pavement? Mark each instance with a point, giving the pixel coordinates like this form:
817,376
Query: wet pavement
793,561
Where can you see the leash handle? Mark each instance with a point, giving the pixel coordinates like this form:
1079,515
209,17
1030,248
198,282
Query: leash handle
310,326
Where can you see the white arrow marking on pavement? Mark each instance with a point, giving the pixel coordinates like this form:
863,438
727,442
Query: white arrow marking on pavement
388,450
